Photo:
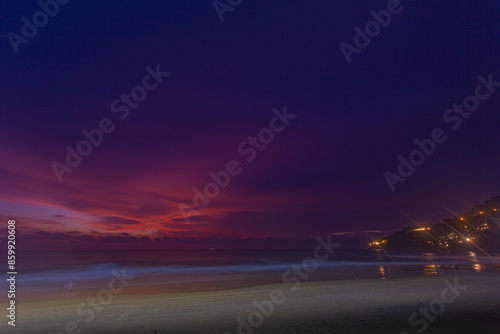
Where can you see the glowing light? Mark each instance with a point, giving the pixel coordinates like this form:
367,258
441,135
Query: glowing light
377,242
431,269
461,218
422,229
478,267
381,270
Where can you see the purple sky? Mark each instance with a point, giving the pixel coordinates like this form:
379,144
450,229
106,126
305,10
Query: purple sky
320,172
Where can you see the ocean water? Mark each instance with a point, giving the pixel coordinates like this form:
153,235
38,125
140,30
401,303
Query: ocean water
57,275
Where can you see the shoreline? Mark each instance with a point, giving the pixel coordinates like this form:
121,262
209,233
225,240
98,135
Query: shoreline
178,284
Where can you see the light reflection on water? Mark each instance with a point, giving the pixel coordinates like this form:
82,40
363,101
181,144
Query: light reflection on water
381,270
432,264
431,269
478,267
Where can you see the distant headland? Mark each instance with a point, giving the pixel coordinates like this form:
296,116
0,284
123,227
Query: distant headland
478,228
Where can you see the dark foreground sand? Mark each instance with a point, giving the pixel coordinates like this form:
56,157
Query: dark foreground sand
360,306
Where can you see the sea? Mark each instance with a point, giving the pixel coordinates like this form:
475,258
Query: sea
74,274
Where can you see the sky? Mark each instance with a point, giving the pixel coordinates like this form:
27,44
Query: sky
216,84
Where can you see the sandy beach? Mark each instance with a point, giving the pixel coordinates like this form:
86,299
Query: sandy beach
355,306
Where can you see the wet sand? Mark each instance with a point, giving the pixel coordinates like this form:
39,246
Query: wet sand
355,306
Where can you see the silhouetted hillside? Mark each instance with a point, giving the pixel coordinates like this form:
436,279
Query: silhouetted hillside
479,227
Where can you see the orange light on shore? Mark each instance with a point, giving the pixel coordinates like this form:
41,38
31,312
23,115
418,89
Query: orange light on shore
377,242
461,218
